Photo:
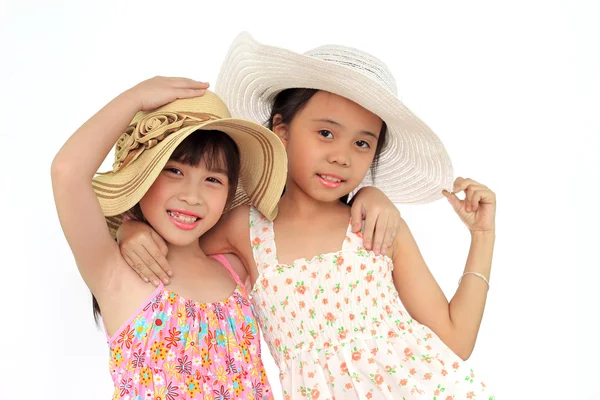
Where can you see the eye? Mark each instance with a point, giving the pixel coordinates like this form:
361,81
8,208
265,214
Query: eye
214,180
173,170
326,134
362,144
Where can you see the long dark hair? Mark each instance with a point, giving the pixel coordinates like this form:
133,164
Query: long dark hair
290,101
218,152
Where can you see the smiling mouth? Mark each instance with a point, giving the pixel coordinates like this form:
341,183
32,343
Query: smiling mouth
186,219
330,178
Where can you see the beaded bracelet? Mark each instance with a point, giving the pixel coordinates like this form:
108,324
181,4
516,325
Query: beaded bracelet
477,274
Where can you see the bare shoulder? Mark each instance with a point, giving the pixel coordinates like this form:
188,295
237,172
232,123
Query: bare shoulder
404,242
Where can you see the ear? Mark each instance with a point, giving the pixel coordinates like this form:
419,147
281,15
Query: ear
281,129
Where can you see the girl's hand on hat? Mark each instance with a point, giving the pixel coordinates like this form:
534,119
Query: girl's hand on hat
145,251
160,90
478,209
382,219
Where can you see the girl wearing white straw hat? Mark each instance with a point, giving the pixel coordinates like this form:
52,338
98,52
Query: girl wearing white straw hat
176,167
341,321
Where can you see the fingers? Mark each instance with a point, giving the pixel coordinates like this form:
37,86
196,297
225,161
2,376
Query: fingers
140,267
474,191
369,230
157,263
132,265
452,199
356,216
186,83
380,230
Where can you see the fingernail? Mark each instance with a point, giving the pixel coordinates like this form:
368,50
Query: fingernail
145,279
155,282
166,281
170,273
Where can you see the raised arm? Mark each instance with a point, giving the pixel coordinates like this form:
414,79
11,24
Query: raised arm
456,322
78,160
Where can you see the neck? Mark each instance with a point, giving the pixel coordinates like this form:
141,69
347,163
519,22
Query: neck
177,255
299,205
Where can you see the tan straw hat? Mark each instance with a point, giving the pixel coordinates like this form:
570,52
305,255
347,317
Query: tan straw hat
145,147
414,166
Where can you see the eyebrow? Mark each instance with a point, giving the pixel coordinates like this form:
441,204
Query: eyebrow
332,122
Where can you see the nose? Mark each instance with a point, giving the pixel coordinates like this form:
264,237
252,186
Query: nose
340,156
191,194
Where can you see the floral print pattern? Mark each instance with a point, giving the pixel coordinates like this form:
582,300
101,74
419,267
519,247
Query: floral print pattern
337,329
178,349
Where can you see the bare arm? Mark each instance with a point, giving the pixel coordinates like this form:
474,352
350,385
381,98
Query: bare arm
73,168
78,209
457,323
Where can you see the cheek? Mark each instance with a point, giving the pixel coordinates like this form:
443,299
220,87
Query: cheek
153,196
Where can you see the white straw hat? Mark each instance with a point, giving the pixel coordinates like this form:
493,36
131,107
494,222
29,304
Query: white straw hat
414,166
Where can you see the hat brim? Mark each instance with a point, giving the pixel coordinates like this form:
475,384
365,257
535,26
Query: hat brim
413,167
263,170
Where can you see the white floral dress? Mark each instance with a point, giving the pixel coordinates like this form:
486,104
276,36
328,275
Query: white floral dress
337,329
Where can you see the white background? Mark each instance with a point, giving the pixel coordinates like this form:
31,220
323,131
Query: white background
512,88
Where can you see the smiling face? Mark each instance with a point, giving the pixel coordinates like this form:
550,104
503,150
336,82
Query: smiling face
330,145
191,192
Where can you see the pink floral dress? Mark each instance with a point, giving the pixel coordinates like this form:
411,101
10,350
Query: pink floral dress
179,349
337,329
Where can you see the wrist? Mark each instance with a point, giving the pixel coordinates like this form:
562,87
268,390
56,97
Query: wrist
490,233
130,99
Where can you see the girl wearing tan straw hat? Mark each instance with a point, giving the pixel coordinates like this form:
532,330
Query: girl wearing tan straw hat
341,321
179,164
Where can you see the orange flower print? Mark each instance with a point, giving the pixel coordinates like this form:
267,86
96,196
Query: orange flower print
325,301
301,304
342,332
403,382
339,260
349,268
330,318
348,386
369,277
288,281
470,395
408,353
315,394
444,372
369,395
455,365
256,242
378,379
351,316
265,283
126,337
344,368
427,376
413,371
300,288
363,267
356,356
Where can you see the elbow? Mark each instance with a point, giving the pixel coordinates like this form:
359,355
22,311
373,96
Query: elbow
59,170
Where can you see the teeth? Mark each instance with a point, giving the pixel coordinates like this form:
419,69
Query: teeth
183,218
330,179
